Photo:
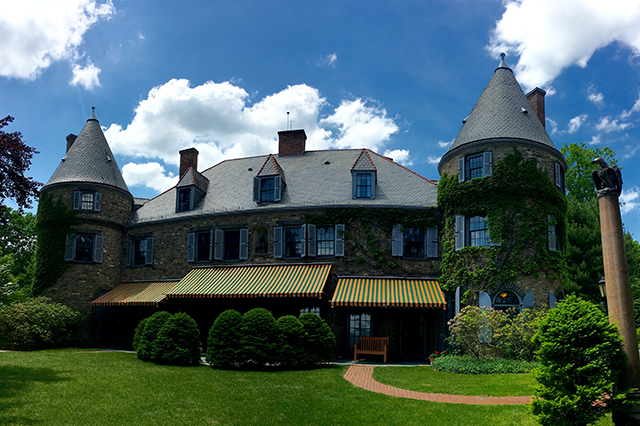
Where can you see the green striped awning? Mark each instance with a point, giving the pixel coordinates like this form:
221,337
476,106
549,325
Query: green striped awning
299,280
388,292
135,294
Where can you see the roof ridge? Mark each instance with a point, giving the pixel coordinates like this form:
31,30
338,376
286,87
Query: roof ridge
434,182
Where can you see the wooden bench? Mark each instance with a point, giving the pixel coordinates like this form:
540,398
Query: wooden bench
371,346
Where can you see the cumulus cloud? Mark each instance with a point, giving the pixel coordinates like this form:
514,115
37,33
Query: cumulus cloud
549,36
399,156
575,123
151,175
607,125
595,140
86,77
445,144
594,96
629,199
328,61
433,160
219,120
36,33
634,108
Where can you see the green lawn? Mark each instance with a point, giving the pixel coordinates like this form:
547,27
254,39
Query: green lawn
65,387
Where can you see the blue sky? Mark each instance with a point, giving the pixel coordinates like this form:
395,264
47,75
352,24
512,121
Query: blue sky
397,77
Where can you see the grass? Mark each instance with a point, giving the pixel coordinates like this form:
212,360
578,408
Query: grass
425,379
67,387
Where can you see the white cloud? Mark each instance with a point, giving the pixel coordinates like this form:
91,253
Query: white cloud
151,175
594,96
595,140
36,33
629,199
433,160
634,108
87,77
607,125
328,61
445,144
399,156
575,123
550,35
219,121
553,124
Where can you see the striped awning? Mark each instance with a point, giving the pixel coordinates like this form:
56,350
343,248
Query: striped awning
388,292
299,280
135,294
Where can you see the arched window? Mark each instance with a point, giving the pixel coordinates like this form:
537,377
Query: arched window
506,300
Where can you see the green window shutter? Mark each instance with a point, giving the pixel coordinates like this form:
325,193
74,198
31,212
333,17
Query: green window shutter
431,242
277,242
311,240
244,244
191,242
218,248
339,235
460,237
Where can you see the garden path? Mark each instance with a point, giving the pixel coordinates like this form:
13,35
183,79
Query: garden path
361,376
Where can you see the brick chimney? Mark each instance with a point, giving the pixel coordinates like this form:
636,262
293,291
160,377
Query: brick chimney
188,158
70,140
536,99
291,142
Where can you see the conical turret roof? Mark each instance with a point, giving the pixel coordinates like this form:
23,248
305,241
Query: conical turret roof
502,112
89,160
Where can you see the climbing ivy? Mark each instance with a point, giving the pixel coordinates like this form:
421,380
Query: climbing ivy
517,199
53,222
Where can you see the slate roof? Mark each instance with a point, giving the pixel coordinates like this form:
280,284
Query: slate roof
271,167
498,114
364,162
314,179
193,177
89,160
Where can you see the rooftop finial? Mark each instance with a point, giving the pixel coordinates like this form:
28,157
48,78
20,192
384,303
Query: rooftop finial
503,64
93,114
502,55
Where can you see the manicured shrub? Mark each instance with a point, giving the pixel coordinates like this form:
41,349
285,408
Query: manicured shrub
38,324
224,345
292,337
320,342
580,359
260,337
150,333
465,364
178,341
137,335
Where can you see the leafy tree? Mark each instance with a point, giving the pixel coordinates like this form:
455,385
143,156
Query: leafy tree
15,159
580,359
17,260
579,185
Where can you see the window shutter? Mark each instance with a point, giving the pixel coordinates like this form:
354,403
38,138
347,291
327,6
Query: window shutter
149,255
487,160
311,240
459,232
191,198
256,189
552,233
529,300
431,242
461,169
191,242
457,301
244,244
485,300
396,241
553,300
70,249
557,175
211,244
303,240
98,248
76,200
277,242
353,185
97,201
339,248
373,185
277,181
127,256
218,245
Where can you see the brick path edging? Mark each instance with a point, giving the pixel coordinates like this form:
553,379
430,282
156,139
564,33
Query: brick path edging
361,376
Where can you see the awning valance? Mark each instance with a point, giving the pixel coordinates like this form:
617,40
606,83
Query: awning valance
388,292
138,293
298,280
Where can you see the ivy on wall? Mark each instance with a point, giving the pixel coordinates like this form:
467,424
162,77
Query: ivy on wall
516,199
53,222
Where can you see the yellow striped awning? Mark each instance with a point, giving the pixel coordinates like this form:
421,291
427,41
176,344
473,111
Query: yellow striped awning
388,292
135,294
299,280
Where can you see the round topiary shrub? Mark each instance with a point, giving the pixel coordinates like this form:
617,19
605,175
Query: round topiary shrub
260,337
581,357
137,335
150,333
39,324
320,343
224,345
292,336
178,341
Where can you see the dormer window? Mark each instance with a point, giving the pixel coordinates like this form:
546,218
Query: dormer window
190,190
184,200
364,185
363,176
267,189
87,201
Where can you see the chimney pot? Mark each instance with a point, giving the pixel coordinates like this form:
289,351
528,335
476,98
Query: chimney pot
71,138
291,142
188,158
536,99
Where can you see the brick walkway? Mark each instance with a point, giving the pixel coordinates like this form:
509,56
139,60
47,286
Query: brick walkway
361,376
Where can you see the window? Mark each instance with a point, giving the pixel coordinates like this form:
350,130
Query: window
232,245
308,240
364,184
219,244
84,248
184,201
554,241
359,325
559,177
414,243
139,251
315,310
267,189
87,201
293,241
474,166
262,240
203,246
325,240
472,231
505,300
